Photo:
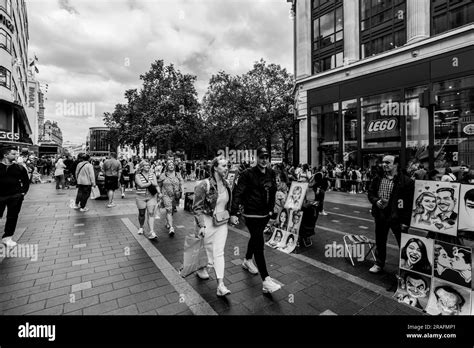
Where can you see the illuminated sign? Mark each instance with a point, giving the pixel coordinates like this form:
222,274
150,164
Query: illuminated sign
385,125
469,129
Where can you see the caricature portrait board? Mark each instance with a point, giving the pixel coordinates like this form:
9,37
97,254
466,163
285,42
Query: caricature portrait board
290,240
413,289
294,222
436,206
416,254
296,195
277,239
453,263
448,299
466,208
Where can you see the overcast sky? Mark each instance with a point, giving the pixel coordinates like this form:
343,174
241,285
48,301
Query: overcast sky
91,51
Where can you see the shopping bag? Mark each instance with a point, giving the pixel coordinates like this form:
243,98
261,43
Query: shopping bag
195,256
95,192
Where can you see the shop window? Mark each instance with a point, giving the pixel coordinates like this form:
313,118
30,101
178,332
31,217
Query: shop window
350,131
5,77
454,119
450,14
382,25
328,35
325,137
380,117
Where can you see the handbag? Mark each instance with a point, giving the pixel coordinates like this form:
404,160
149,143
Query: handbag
152,189
95,192
220,218
195,256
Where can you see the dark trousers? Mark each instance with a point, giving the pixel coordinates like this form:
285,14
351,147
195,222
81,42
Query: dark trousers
83,194
382,226
320,198
256,243
132,180
59,181
13,204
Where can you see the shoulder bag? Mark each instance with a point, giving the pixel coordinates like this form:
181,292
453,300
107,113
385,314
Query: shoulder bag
222,217
152,189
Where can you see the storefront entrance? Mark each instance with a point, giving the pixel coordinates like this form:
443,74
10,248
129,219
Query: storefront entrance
374,158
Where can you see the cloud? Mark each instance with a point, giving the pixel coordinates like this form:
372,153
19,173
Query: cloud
93,51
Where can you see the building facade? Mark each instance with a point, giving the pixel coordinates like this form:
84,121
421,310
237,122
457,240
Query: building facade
360,66
15,128
98,144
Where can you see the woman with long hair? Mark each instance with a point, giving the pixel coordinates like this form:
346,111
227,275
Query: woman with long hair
211,212
414,256
171,187
147,191
425,207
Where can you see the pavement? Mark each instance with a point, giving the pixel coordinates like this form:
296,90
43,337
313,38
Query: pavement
94,263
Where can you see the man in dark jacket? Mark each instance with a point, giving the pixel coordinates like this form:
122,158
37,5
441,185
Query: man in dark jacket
391,196
14,184
256,192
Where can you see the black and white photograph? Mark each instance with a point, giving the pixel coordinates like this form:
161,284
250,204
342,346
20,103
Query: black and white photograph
448,299
453,263
436,207
168,159
416,254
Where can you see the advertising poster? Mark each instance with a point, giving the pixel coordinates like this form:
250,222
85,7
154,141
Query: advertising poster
296,195
448,299
413,289
466,208
453,263
436,206
416,254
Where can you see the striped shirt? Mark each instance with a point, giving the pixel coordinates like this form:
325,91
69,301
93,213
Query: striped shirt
143,181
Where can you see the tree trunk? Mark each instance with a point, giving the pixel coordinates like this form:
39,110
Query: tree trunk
269,145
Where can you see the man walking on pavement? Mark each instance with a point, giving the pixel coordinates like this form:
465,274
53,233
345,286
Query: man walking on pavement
112,171
14,184
256,190
391,196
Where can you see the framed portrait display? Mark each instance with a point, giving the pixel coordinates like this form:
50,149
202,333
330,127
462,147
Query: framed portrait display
413,289
453,263
436,206
416,254
294,222
448,299
278,238
283,220
296,195
466,208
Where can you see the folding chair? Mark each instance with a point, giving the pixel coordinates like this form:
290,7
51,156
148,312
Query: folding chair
355,239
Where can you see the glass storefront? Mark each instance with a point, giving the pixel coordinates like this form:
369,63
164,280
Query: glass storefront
326,137
417,128
350,131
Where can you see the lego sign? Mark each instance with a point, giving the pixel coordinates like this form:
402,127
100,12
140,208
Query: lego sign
9,136
469,129
382,128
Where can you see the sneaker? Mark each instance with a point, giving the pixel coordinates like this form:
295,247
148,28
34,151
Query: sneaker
111,205
202,273
123,195
270,286
375,269
83,210
140,230
249,266
76,207
171,232
9,242
324,213
152,235
222,290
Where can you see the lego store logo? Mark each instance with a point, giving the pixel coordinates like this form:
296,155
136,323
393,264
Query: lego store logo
386,125
9,136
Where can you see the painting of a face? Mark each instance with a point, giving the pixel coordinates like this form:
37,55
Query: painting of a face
448,303
429,203
444,259
283,217
416,287
413,253
459,263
